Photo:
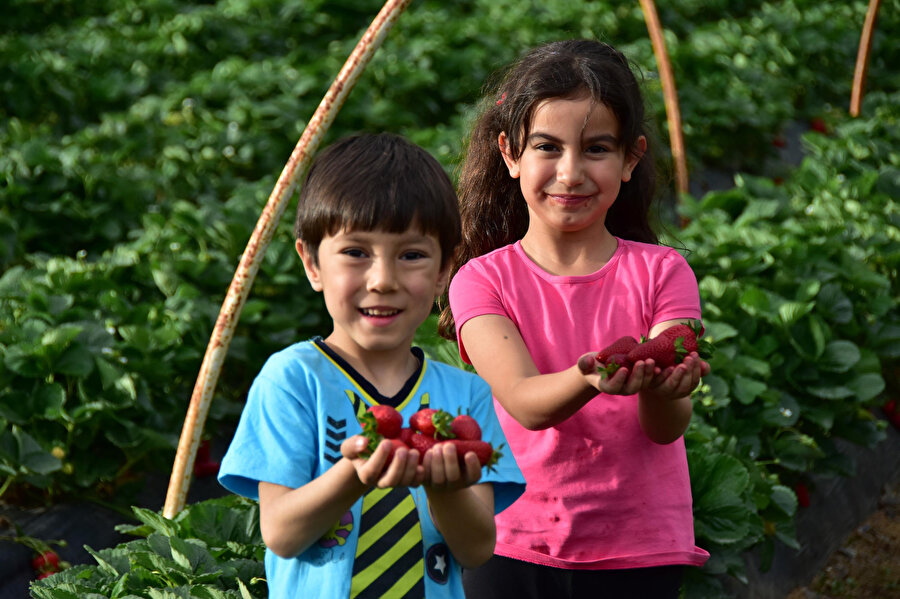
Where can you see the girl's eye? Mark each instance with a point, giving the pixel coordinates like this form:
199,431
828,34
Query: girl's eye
412,255
546,147
595,149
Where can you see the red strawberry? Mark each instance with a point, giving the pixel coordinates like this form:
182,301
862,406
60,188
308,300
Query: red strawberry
465,427
687,343
48,561
818,124
430,422
613,363
388,421
421,443
660,349
487,456
622,345
395,445
406,434
802,495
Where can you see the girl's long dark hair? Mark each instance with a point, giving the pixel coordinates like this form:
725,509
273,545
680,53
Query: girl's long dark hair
493,210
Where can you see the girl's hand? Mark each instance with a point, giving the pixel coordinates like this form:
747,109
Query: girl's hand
443,472
679,381
625,381
403,471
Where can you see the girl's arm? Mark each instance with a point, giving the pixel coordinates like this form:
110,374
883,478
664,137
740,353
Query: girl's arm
462,510
291,520
538,401
664,407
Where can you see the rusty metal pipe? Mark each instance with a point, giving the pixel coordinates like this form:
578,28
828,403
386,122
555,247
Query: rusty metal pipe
862,59
670,95
252,257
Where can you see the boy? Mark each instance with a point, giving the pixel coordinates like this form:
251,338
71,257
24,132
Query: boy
377,223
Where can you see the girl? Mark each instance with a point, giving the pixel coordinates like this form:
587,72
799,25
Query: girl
559,260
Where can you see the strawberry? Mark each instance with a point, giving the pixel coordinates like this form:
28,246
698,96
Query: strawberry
406,434
818,124
465,427
387,421
660,349
685,340
421,443
622,345
46,562
430,422
395,445
802,495
487,455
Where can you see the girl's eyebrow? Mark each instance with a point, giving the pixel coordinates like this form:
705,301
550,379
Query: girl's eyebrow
600,137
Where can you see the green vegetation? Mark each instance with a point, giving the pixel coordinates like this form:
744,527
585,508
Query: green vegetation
140,141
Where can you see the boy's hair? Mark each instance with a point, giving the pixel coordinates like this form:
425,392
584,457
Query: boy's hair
383,182
494,212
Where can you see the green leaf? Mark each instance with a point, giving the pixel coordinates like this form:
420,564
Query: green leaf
785,499
747,389
867,386
32,456
839,356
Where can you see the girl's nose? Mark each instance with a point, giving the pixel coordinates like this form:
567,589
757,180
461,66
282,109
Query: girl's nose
382,276
570,170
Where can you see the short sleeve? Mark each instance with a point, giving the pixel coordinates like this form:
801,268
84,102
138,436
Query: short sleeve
274,440
472,293
676,295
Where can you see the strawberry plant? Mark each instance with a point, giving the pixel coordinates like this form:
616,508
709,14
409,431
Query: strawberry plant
211,549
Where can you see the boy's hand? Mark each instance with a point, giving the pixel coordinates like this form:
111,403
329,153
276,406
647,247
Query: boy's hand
403,471
678,381
443,469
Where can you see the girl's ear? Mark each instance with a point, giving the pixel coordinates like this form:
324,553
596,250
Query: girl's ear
511,163
632,159
309,265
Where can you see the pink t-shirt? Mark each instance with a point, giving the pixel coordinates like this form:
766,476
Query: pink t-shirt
600,494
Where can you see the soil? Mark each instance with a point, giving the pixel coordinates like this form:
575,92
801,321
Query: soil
867,564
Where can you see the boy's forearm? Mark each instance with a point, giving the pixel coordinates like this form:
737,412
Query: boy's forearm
465,518
291,520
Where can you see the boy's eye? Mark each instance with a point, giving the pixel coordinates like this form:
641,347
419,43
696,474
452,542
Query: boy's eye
354,253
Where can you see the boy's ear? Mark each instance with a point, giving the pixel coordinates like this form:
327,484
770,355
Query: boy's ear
632,159
511,163
442,281
309,264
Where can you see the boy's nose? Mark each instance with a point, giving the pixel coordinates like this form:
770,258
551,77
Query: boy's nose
382,276
569,170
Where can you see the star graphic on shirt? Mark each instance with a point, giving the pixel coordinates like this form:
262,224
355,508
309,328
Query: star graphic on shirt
437,559
440,564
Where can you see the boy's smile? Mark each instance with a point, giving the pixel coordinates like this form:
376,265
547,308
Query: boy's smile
378,287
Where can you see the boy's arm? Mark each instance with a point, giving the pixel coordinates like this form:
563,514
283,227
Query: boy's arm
291,520
462,511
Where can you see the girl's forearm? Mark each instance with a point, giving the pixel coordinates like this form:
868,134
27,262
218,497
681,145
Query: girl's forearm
544,400
663,420
291,520
465,518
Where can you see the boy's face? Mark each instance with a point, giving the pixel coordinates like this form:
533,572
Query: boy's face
378,286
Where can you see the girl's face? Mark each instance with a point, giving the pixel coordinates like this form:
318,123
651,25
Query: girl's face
573,164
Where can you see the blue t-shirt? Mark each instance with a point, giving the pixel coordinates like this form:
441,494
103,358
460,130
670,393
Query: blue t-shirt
301,407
